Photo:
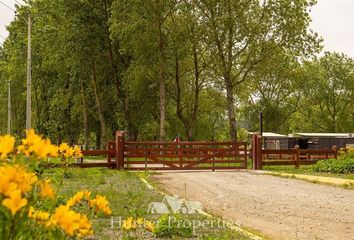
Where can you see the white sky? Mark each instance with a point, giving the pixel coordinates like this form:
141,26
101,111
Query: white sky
332,19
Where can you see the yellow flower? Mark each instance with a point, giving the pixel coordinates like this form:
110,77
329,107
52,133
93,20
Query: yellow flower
85,227
6,186
100,203
71,222
31,212
42,216
7,143
16,177
139,221
27,144
46,189
37,215
63,147
87,194
65,218
66,151
149,226
15,201
70,203
77,152
45,149
107,211
78,197
34,144
128,224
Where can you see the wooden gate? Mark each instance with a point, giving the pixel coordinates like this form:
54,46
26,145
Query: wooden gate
184,155
170,155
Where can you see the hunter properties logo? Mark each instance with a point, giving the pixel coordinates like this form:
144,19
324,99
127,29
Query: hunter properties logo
172,206
175,205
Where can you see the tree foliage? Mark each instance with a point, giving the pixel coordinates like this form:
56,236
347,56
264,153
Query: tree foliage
203,69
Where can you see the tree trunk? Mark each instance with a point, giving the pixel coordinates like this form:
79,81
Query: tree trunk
162,76
230,101
196,93
189,122
85,117
99,107
98,137
162,110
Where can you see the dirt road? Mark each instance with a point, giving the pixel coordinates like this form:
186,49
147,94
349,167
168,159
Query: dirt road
278,207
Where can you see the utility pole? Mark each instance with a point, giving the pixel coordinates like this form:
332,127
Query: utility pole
9,109
29,77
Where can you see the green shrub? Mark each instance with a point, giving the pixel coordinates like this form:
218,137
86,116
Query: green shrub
341,165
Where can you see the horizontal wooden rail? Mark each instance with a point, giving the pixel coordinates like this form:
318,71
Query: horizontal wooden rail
176,155
81,165
180,162
295,156
186,143
98,152
177,168
274,151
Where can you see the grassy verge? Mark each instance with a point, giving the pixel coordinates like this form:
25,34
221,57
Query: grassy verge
306,170
130,197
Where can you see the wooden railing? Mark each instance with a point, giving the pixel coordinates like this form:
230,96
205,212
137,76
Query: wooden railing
264,157
185,155
169,155
197,155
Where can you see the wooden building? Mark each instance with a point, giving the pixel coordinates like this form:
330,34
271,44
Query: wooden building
306,140
321,140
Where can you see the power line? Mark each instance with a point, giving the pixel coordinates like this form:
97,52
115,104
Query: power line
7,6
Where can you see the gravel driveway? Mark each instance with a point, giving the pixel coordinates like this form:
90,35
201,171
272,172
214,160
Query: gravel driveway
278,207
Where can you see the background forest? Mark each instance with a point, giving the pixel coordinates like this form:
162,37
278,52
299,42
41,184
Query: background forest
203,69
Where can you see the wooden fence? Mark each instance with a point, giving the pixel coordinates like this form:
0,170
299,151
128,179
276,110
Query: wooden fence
169,155
198,155
265,157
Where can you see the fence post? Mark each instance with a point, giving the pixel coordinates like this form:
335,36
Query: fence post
109,157
256,152
259,152
297,156
82,157
246,155
119,149
146,157
335,151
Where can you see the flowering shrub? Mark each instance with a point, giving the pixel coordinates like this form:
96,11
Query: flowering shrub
23,194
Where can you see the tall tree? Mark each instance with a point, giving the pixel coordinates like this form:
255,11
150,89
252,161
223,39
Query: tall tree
275,91
243,33
329,90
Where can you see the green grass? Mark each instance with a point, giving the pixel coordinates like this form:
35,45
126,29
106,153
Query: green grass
128,197
306,170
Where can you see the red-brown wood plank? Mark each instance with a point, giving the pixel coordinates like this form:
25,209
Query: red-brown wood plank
183,162
97,152
191,168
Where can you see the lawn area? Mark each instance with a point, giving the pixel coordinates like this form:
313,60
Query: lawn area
306,170
130,197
